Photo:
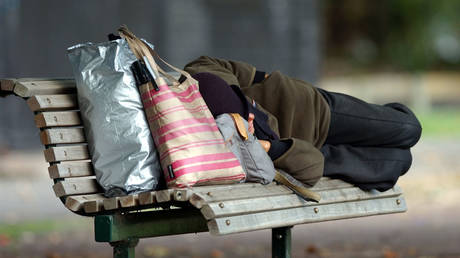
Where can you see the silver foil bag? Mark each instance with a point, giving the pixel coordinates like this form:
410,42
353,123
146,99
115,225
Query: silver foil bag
119,140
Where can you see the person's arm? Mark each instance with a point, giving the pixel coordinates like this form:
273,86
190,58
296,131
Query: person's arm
302,161
233,72
306,167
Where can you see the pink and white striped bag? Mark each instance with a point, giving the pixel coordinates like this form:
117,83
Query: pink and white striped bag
192,150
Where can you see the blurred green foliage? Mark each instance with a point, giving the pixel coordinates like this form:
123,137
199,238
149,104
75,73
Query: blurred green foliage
440,123
38,227
409,35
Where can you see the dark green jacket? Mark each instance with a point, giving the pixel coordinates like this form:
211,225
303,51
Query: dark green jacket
296,111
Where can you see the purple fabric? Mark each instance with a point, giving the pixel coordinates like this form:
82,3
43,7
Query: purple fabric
219,96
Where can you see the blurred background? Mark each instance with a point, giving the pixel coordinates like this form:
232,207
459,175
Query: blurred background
381,51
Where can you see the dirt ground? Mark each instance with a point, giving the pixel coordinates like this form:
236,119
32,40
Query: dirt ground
430,228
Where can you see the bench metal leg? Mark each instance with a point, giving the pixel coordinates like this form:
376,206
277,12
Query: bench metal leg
281,242
125,248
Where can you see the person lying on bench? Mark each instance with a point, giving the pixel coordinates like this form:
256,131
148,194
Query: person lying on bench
310,132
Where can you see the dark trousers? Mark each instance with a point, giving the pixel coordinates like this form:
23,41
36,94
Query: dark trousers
368,144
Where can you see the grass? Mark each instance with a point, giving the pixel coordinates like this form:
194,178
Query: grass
39,227
440,122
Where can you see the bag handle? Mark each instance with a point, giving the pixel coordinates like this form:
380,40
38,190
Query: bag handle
167,75
141,49
239,124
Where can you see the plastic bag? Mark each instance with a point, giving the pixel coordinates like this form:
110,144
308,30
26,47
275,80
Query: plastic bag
119,140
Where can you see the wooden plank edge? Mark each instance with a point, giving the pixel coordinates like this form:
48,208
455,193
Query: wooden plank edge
128,201
62,136
200,199
93,206
146,198
57,119
327,184
184,194
70,169
50,102
261,204
303,215
29,88
7,84
54,154
76,202
165,195
111,203
66,188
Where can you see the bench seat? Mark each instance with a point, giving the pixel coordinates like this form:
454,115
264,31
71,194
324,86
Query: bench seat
221,210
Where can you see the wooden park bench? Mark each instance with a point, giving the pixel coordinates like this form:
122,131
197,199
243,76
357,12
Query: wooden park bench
221,210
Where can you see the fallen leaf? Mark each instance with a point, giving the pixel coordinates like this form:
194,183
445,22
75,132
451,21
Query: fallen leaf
388,253
5,240
311,249
217,254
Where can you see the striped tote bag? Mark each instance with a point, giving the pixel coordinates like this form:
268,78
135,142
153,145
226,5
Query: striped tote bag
192,150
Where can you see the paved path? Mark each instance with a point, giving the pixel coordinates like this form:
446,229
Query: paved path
431,226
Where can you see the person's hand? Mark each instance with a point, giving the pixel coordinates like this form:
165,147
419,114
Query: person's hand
265,144
251,123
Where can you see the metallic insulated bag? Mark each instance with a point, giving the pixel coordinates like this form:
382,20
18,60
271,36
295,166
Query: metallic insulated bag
252,156
192,151
119,140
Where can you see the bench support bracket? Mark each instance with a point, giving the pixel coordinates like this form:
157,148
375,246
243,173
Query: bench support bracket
120,227
125,248
281,242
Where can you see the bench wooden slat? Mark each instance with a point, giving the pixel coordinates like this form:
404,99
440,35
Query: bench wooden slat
53,102
93,206
112,203
257,190
184,194
165,195
128,201
237,207
62,135
7,84
355,194
71,169
28,88
289,217
76,187
326,184
54,119
147,198
76,202
75,152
